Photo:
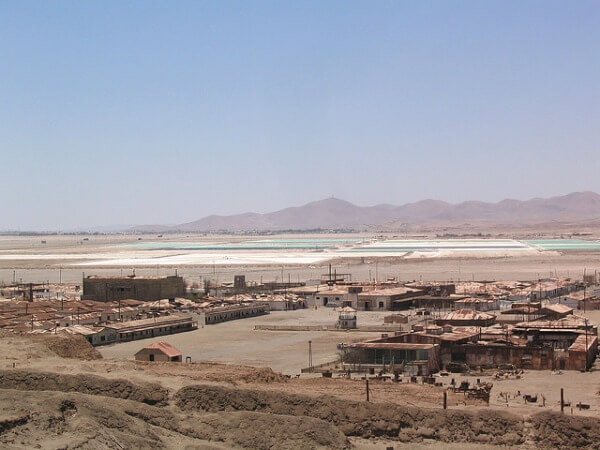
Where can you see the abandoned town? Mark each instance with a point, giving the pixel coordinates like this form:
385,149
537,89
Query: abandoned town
298,225
515,356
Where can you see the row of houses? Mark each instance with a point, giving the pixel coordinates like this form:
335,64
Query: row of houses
234,312
133,330
49,314
566,344
481,296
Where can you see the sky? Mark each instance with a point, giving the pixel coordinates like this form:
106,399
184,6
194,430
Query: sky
160,112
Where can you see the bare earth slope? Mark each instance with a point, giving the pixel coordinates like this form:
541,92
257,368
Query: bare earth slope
47,401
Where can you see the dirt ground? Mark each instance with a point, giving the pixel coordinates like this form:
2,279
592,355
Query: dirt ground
242,391
236,342
54,401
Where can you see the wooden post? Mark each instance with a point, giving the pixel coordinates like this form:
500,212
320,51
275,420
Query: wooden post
562,400
445,400
367,381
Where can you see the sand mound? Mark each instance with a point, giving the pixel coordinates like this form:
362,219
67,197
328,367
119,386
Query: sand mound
68,346
248,429
151,394
71,420
553,430
59,420
361,418
208,371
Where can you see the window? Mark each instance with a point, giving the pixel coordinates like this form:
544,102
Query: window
381,305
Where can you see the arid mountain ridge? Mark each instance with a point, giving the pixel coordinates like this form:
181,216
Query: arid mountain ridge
333,213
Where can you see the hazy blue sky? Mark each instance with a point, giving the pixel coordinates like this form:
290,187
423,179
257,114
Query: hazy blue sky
163,112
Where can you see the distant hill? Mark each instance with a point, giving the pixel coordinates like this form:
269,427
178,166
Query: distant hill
332,213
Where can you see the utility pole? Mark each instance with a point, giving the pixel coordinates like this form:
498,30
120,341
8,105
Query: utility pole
586,345
310,363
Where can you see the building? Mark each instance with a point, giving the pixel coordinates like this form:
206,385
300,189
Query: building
94,335
395,318
123,313
347,318
570,343
110,289
390,299
332,296
282,302
79,319
477,304
435,302
226,313
156,326
159,351
409,358
434,289
583,300
467,318
555,311
522,312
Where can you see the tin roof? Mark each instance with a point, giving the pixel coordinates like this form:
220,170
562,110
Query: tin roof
149,323
164,347
388,291
572,321
580,343
558,309
468,314
392,345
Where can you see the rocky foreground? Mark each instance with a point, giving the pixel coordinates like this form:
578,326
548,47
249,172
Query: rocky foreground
67,398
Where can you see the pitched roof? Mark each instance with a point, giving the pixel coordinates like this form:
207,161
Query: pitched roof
468,314
557,308
164,347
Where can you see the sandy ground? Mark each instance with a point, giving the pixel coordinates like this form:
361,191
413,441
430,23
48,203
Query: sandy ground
50,402
236,342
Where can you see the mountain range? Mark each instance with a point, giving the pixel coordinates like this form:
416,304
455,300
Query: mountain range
333,213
